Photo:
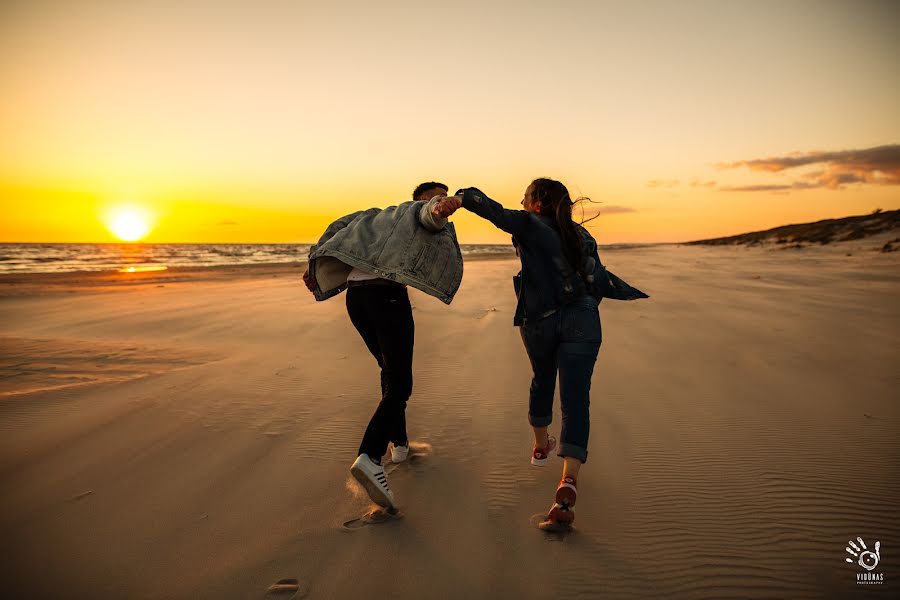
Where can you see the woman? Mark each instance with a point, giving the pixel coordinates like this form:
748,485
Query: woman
558,291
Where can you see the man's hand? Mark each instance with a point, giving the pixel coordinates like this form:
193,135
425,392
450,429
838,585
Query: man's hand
310,281
446,206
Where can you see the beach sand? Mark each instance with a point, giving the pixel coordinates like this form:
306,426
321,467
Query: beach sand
188,435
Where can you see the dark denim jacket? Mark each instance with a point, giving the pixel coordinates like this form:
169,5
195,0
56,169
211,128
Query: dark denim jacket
547,281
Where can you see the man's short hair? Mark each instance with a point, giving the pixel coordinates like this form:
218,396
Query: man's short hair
428,185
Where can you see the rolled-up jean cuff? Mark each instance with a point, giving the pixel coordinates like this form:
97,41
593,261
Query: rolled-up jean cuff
573,451
540,421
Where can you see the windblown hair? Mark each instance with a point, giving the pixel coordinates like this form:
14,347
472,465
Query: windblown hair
428,185
557,204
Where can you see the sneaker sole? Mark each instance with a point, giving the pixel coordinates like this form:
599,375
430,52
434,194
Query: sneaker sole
566,494
375,493
539,462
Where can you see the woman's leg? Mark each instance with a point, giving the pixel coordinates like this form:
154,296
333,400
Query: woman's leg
581,338
571,466
579,346
576,367
541,437
540,341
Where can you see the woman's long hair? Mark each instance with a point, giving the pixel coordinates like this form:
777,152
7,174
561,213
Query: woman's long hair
557,204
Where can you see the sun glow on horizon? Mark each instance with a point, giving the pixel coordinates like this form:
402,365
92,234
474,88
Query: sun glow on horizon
128,222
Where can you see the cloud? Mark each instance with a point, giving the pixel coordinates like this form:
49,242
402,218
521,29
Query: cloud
613,210
227,222
697,183
665,183
769,188
876,166
592,213
755,188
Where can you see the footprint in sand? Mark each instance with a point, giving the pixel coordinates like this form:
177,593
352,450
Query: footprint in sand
417,453
556,532
285,589
375,516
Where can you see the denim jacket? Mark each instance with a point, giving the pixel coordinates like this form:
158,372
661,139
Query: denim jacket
547,281
403,243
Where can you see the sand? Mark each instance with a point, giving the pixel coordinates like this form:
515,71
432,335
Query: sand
188,435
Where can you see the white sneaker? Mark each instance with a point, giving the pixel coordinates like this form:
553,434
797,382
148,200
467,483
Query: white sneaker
371,476
399,453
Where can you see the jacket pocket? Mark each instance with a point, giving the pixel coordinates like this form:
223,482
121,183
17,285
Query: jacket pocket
425,263
416,263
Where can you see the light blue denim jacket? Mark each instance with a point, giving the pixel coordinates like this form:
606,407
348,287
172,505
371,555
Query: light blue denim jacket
403,243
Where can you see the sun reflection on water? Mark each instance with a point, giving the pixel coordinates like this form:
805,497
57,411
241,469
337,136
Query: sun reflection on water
143,269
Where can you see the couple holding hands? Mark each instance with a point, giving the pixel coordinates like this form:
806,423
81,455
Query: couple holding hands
374,254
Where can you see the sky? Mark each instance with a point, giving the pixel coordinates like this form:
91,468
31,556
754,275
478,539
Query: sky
227,121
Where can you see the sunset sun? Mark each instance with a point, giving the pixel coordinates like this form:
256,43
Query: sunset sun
128,223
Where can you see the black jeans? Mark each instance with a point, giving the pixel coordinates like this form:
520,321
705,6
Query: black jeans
383,316
567,341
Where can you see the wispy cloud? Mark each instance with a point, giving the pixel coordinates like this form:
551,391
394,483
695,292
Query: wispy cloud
878,166
593,213
662,183
768,188
697,183
227,222
613,210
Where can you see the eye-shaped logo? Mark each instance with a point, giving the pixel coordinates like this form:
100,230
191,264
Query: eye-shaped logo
865,558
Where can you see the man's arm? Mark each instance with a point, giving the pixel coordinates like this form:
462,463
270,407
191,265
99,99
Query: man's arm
337,226
308,278
510,221
433,214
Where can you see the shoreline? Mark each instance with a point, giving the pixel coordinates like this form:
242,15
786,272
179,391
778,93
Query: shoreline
41,283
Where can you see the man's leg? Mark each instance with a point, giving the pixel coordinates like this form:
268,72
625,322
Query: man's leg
391,314
357,309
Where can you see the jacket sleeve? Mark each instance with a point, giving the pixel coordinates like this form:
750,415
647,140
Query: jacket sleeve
337,226
428,220
510,221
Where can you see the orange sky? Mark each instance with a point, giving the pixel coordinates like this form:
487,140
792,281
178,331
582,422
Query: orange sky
247,122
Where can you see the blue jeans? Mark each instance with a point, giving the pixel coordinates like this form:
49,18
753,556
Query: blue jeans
567,342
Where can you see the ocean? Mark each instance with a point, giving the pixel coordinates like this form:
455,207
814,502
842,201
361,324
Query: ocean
60,258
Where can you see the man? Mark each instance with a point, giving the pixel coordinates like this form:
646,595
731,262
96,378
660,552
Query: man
374,254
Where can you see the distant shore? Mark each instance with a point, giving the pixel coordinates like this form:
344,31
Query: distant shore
882,224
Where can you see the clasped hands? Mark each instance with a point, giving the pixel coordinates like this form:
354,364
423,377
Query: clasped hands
446,206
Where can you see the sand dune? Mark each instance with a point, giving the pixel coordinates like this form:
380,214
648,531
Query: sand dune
744,427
